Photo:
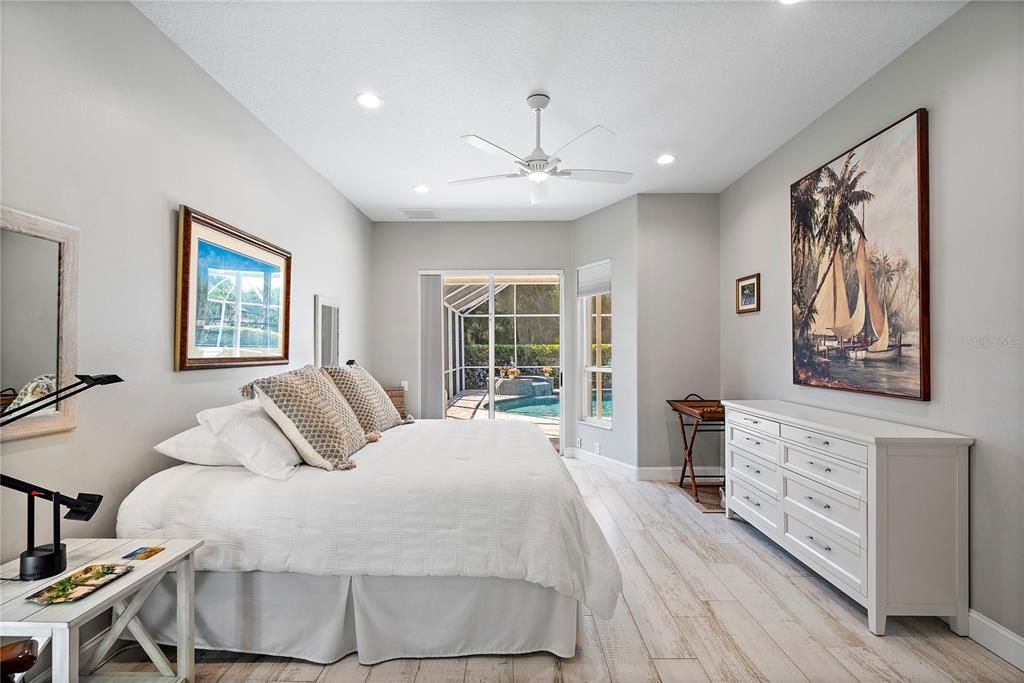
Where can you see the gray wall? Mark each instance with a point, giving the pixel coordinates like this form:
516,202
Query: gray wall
107,126
677,341
611,233
400,250
28,303
968,73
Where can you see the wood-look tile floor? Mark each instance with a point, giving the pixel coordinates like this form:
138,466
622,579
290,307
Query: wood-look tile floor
706,598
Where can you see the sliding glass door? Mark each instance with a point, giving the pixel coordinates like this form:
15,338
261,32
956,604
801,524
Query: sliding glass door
502,348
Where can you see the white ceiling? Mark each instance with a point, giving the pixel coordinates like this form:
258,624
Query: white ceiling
720,85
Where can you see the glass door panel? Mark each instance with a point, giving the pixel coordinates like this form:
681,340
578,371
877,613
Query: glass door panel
503,348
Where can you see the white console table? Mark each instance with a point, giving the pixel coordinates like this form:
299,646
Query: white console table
57,625
877,508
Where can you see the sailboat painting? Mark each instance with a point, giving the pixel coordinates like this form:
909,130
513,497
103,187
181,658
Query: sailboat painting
859,233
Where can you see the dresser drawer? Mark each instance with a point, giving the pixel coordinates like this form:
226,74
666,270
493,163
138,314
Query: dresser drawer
824,442
756,507
842,475
759,444
843,515
756,471
753,422
837,559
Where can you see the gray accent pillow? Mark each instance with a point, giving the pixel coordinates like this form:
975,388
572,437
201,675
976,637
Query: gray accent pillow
371,404
313,414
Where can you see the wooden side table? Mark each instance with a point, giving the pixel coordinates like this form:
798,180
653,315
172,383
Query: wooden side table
705,416
57,625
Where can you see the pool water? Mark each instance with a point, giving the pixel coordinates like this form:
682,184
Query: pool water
542,406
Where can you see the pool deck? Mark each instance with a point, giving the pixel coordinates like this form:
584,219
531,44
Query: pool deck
472,405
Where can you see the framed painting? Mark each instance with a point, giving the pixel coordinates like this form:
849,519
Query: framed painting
233,297
748,294
859,263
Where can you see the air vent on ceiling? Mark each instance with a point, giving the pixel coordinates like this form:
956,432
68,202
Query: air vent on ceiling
420,214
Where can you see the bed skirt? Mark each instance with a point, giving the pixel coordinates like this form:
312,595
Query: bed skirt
324,618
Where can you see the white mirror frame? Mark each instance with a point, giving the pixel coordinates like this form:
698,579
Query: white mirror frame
66,237
318,305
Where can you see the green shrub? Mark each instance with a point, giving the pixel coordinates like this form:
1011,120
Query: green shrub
252,337
529,354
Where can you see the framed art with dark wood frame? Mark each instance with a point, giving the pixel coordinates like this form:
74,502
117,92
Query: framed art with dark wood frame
748,294
234,293
859,263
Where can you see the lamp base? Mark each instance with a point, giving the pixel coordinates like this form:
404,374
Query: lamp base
43,561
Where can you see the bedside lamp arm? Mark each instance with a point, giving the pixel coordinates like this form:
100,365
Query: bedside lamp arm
80,509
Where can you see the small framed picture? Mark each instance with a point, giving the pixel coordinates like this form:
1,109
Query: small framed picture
748,294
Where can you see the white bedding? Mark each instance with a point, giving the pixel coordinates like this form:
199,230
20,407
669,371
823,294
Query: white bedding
435,498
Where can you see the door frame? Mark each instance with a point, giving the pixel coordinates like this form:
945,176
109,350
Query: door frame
491,274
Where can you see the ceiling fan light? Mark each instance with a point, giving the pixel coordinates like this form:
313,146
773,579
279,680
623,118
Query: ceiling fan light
368,100
789,2
666,159
420,189
538,176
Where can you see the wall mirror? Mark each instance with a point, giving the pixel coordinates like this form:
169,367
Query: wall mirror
327,331
38,319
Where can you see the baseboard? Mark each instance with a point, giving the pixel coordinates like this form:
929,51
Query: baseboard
610,464
997,638
668,473
672,473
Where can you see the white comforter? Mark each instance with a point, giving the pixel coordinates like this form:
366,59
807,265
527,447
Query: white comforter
435,498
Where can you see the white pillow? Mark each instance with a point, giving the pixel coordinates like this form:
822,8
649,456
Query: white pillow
255,439
198,446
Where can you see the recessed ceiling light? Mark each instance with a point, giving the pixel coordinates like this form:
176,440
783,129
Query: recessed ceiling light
422,189
368,100
666,159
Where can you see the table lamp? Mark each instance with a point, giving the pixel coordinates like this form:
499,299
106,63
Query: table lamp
40,562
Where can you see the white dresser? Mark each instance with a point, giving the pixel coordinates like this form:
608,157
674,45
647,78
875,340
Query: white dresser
877,508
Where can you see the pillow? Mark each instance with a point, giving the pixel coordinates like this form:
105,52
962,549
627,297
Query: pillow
371,404
255,439
313,414
198,446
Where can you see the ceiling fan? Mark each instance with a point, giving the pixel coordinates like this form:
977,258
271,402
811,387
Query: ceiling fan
538,166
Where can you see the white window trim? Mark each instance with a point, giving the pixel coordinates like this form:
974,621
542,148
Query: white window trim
584,387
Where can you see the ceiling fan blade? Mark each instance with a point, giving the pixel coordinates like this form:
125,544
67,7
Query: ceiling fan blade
490,147
484,179
595,176
586,132
539,193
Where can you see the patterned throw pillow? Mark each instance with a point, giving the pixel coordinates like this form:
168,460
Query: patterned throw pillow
312,414
371,404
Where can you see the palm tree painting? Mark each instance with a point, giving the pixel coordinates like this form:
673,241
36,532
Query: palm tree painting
859,250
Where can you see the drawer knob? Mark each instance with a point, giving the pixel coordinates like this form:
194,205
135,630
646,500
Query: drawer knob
753,422
819,544
824,506
753,441
824,467
756,471
824,442
749,500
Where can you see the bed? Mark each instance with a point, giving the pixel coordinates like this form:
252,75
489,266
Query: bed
449,538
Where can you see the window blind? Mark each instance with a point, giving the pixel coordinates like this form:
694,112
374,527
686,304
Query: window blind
594,279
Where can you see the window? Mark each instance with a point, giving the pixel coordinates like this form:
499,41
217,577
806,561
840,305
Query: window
594,293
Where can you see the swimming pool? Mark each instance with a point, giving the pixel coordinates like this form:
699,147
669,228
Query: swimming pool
542,406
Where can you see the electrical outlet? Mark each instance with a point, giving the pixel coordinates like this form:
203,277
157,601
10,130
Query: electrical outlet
579,442
597,448
405,385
